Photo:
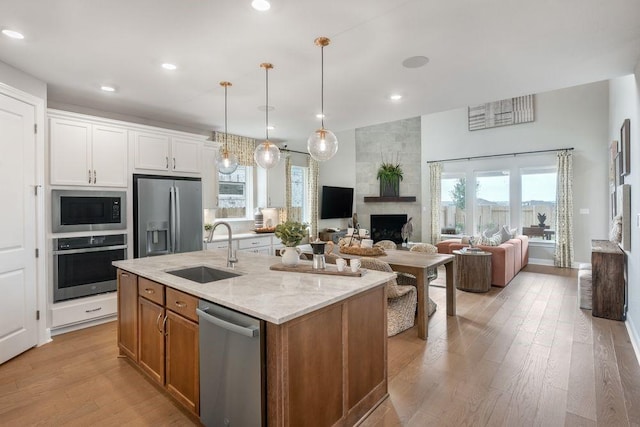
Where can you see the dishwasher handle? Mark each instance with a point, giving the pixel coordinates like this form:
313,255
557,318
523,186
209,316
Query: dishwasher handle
250,331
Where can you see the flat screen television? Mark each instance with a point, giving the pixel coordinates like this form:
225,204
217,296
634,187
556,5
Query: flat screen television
337,202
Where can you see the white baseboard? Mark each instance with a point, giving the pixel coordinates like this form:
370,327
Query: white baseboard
540,261
634,337
82,325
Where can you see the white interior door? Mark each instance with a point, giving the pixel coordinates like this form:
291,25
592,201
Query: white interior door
18,222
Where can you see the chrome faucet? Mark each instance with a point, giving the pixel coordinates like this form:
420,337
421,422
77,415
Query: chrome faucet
231,259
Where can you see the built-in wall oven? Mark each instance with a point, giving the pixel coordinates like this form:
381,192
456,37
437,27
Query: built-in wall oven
82,265
86,210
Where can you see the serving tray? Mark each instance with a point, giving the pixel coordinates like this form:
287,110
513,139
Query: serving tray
331,270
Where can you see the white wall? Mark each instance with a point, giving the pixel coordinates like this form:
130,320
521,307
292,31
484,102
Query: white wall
625,104
339,171
573,117
20,80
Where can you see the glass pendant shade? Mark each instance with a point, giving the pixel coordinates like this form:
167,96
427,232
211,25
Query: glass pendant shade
226,162
322,145
267,155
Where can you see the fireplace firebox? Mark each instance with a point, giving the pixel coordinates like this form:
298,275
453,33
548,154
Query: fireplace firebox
387,227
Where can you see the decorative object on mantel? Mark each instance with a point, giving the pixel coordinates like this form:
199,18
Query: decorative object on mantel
625,142
322,144
507,112
267,154
406,232
390,174
290,234
227,162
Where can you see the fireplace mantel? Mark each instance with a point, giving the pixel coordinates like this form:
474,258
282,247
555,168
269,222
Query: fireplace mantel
373,199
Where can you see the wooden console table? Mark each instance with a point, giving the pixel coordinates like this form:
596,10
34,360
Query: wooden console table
608,270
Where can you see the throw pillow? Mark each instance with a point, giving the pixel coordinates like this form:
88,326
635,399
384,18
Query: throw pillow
490,232
513,232
504,234
490,241
465,240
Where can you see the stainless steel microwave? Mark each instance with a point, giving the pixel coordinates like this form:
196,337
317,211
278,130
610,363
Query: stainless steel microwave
82,210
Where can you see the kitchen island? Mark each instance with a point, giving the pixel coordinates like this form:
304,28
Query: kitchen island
324,340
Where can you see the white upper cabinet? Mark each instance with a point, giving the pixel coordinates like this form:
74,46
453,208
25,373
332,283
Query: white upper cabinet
83,153
167,153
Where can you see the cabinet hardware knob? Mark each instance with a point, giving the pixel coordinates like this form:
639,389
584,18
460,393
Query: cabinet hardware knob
181,304
149,291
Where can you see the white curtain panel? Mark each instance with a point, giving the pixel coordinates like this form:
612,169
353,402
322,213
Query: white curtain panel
435,174
312,191
287,188
564,211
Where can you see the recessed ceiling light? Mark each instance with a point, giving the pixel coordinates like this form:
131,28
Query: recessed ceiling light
108,88
320,116
271,127
168,66
261,5
395,97
13,34
415,62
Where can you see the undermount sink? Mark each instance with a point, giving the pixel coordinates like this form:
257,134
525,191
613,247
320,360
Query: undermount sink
203,274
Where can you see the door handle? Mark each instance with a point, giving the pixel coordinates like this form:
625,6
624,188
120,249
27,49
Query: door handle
158,323
89,176
174,163
166,160
95,176
164,326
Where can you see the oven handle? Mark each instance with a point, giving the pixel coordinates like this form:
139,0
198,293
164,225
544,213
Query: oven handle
85,250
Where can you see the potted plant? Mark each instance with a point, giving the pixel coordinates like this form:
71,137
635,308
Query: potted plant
390,174
290,234
208,227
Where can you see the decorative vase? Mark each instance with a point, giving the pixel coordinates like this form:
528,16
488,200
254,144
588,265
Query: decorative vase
390,188
290,256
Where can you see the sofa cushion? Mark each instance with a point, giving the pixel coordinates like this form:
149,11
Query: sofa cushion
517,256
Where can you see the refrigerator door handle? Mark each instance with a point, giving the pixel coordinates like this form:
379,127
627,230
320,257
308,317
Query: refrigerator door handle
172,219
177,220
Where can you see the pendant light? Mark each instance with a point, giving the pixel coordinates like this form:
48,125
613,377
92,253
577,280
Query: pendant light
226,162
322,144
267,154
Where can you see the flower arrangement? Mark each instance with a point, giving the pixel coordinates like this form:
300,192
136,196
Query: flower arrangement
390,174
291,233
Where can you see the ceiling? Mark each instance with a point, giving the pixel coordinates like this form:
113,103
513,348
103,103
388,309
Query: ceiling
479,51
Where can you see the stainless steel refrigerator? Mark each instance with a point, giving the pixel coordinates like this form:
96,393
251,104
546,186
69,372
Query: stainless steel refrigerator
167,215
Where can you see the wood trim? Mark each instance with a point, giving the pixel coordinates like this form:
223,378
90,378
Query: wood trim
373,199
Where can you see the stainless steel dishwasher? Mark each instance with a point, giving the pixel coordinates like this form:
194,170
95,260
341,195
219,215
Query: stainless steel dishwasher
232,371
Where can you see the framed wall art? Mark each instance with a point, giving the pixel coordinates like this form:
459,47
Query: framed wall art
625,148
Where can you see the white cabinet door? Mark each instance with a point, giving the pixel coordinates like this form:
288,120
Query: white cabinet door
151,151
185,155
109,150
70,152
209,178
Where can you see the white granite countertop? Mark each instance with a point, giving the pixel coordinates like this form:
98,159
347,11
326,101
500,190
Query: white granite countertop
274,296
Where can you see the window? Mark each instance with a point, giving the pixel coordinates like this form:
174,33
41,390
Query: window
452,204
491,209
234,193
299,197
538,211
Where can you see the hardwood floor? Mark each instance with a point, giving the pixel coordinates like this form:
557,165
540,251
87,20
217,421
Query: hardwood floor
524,355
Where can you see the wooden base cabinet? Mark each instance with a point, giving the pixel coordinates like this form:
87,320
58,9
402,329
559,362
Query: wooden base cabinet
336,355
165,344
128,314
